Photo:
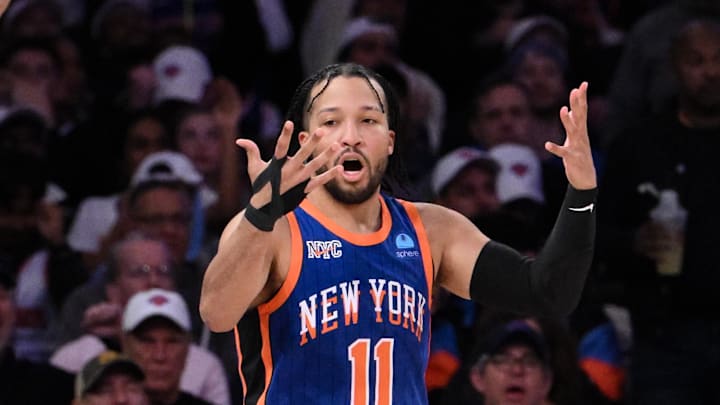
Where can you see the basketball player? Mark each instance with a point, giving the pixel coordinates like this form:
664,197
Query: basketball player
327,280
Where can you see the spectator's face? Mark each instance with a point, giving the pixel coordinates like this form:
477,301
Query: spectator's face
160,348
144,137
502,115
7,316
33,66
372,50
165,213
471,192
142,265
513,376
200,139
698,67
117,388
543,78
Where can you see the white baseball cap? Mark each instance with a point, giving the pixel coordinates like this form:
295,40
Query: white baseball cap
166,166
169,166
362,26
181,73
526,26
454,162
156,302
520,172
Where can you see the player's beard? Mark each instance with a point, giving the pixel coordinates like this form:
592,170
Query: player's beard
352,194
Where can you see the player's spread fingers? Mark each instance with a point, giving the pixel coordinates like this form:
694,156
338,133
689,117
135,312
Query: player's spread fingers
283,142
308,147
323,178
556,149
322,159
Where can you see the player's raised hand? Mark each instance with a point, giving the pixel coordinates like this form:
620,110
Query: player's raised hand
295,175
575,152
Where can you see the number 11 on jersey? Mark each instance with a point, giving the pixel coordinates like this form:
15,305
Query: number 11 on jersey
359,357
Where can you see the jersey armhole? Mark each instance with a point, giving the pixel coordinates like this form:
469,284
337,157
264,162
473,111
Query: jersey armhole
296,256
425,251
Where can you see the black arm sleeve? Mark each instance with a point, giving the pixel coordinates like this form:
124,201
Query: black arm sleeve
552,283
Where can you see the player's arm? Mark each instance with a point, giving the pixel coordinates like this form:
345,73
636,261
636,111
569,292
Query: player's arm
496,275
249,265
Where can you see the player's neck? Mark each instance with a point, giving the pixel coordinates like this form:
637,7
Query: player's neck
365,217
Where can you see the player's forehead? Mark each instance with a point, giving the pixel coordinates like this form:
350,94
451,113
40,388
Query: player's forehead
346,91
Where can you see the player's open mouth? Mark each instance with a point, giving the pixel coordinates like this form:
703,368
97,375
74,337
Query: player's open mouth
352,167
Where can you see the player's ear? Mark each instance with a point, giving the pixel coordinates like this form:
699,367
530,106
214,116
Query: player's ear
391,143
303,136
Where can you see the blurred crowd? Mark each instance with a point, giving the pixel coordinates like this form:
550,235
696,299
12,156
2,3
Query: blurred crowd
118,171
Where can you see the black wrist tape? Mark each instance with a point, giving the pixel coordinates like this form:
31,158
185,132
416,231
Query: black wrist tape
264,218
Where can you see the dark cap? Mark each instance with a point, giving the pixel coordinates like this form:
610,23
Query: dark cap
516,332
98,367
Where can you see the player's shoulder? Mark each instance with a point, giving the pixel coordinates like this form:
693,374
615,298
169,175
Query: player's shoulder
435,214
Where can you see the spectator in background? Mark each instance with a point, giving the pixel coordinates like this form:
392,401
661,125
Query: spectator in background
512,366
32,244
156,334
120,42
374,43
110,378
541,69
185,80
206,137
33,19
521,193
644,83
539,29
465,180
520,360
23,381
100,220
164,206
182,73
143,134
498,113
33,67
135,263
658,234
154,330
44,75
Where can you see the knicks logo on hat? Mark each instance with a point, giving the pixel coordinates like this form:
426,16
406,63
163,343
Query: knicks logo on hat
171,70
158,300
520,169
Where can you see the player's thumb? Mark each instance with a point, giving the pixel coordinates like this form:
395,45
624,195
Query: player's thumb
555,149
252,150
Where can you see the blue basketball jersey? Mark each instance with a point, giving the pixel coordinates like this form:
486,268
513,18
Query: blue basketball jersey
351,323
